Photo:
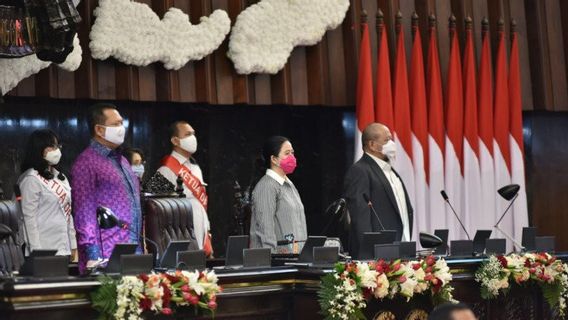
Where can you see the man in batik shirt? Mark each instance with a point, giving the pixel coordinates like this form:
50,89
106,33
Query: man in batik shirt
101,176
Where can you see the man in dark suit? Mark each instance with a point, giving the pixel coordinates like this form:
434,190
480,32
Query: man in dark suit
374,176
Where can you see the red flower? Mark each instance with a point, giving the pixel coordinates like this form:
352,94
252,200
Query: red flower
428,277
532,270
428,270
145,304
527,263
167,295
167,311
212,305
503,261
143,277
193,300
396,267
437,285
416,266
430,260
402,279
185,288
367,293
173,279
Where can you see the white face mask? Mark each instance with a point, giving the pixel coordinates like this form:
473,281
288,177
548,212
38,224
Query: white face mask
189,144
138,170
115,135
52,157
389,150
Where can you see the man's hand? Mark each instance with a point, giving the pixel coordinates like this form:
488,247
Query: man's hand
74,255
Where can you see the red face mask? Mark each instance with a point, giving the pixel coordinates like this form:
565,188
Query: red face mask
288,164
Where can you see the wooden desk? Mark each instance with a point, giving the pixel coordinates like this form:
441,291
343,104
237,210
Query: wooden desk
284,293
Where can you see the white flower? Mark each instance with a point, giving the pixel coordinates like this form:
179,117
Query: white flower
382,286
132,33
265,33
442,271
407,288
368,277
16,70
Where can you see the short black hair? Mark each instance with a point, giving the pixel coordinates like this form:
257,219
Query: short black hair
272,147
128,153
173,129
445,311
97,115
33,153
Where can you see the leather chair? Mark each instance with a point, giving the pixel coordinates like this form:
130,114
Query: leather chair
168,219
11,256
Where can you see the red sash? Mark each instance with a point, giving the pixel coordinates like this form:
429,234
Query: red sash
196,188
189,180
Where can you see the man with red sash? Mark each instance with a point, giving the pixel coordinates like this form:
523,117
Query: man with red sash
181,163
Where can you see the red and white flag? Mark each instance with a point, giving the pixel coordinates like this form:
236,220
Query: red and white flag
520,217
419,134
402,126
454,138
436,138
487,216
501,124
383,96
364,108
471,175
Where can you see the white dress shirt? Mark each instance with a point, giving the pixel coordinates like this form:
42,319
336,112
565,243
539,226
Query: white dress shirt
398,191
200,219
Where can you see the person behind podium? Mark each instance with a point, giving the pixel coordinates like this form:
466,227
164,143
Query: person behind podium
277,210
136,159
46,197
101,176
373,176
181,163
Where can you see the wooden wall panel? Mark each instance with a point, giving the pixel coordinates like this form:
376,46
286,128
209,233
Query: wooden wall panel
326,73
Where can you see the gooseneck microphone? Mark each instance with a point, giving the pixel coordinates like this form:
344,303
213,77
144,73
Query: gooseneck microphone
370,204
445,196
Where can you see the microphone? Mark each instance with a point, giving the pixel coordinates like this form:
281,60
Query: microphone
510,193
18,195
370,204
108,220
338,210
445,196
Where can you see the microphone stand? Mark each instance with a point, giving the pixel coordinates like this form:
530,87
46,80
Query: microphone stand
496,226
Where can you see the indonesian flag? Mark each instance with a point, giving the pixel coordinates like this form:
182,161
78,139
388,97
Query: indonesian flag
454,138
364,108
487,215
471,175
402,127
501,153
383,100
419,135
520,217
437,136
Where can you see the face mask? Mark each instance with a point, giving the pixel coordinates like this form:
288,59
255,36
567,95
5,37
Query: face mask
288,164
115,135
189,144
138,170
389,150
52,157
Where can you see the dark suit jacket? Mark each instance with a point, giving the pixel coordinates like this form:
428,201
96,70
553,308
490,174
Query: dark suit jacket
365,176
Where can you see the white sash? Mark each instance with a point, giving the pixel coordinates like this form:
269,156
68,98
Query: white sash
61,191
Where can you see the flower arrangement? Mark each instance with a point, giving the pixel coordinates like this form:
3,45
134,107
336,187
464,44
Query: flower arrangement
265,33
134,34
344,293
498,273
131,296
